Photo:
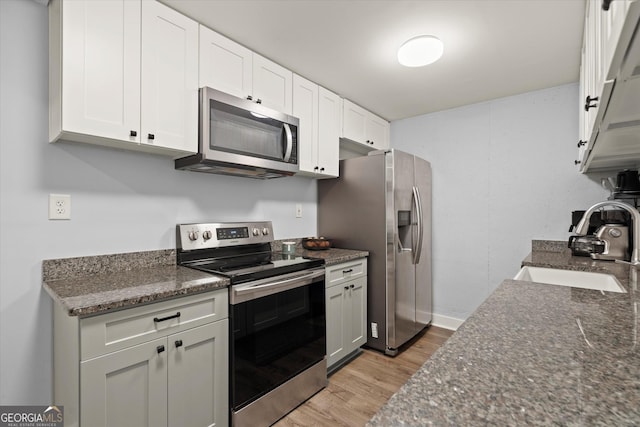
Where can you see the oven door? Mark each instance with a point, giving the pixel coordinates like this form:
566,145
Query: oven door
278,331
237,131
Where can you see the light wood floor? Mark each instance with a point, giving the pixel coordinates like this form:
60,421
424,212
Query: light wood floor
358,390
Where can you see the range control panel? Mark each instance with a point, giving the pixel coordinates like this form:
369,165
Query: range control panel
221,234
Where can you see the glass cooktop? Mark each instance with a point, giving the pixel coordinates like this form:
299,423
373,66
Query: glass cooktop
244,268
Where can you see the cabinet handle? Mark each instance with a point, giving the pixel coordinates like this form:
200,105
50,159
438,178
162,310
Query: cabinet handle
162,319
577,162
250,98
347,271
606,4
133,133
151,136
581,143
160,349
588,103
178,343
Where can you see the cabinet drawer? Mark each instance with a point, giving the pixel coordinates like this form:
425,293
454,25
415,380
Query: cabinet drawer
114,331
339,273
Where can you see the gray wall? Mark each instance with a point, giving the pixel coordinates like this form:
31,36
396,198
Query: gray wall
121,202
503,174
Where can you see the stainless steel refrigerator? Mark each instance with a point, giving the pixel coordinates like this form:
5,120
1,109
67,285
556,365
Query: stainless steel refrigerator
382,203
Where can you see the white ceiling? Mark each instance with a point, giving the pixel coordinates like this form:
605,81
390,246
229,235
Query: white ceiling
493,48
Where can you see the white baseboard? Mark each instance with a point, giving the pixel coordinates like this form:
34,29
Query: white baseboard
446,322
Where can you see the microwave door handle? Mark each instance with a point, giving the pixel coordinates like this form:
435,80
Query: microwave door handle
289,136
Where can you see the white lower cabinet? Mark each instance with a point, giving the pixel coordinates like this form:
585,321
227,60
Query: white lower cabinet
178,375
346,302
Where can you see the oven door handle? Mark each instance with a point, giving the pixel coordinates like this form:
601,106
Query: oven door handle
247,292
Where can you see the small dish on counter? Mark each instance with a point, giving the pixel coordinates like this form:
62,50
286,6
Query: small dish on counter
316,244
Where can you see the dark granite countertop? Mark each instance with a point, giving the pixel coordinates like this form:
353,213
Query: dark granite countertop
331,256
96,284
534,354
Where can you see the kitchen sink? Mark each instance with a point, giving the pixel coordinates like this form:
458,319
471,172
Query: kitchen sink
575,279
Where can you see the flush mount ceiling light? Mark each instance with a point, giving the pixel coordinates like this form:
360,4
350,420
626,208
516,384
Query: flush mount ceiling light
420,51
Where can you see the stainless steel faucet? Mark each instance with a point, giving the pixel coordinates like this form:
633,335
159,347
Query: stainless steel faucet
583,226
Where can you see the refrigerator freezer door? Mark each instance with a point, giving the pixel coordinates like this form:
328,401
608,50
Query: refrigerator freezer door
401,292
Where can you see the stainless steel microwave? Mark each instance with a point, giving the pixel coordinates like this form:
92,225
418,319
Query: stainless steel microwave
243,138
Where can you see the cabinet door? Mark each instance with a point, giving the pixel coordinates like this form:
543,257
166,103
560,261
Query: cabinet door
198,382
335,307
127,388
612,22
169,116
377,132
224,64
354,122
101,68
305,108
272,84
329,115
357,317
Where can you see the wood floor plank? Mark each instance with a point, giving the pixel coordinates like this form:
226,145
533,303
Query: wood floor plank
359,389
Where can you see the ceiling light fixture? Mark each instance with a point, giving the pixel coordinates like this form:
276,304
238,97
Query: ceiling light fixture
420,51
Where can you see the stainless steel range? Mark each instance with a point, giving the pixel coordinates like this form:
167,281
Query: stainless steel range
277,316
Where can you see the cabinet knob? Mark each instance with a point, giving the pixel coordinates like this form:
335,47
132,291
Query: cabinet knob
321,169
346,288
581,143
178,343
352,286
151,136
160,349
315,169
577,162
590,102
606,4
133,133
259,101
250,98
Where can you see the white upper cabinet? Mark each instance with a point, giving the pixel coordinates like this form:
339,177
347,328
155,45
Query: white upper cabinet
224,64
230,67
329,119
319,132
364,127
123,73
272,84
95,69
169,78
609,134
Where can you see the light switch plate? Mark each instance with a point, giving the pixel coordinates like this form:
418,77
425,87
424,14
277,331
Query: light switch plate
59,206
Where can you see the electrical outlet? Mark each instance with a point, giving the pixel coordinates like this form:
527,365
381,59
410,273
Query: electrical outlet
374,330
59,206
298,210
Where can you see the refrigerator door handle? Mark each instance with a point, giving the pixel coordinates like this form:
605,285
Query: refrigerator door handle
417,253
402,248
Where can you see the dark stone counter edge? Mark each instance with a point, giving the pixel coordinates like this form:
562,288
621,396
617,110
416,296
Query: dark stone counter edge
84,310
